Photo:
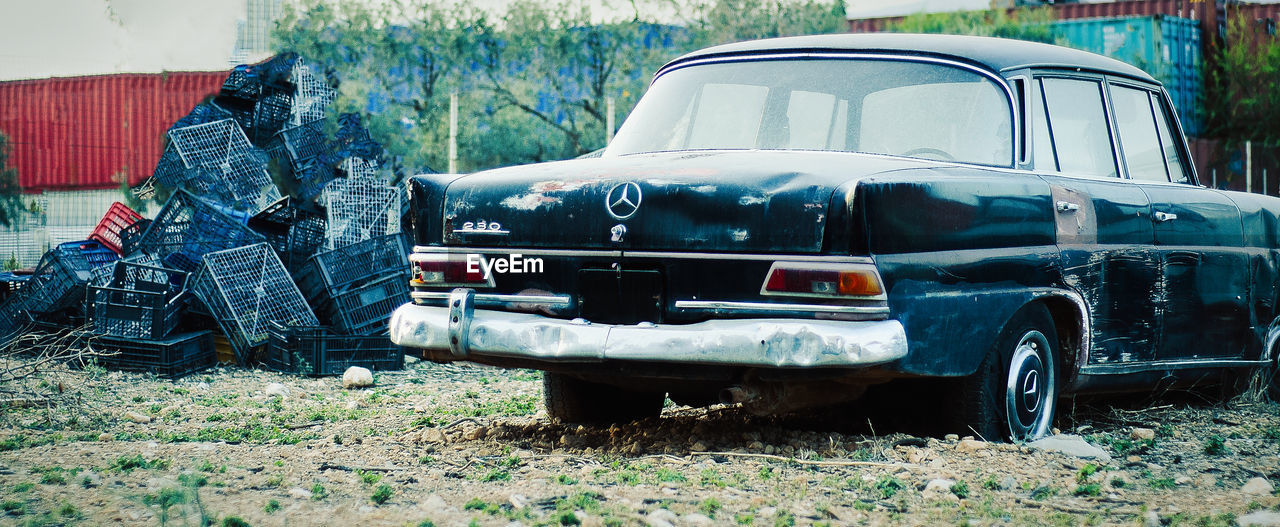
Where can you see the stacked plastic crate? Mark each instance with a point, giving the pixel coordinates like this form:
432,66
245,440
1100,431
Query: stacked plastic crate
262,194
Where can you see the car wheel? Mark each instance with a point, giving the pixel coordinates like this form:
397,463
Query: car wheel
1013,395
572,400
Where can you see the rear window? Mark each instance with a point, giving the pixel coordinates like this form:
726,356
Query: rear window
877,106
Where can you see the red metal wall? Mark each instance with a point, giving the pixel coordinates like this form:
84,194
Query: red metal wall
79,132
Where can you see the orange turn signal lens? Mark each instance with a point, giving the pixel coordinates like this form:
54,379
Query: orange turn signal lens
859,283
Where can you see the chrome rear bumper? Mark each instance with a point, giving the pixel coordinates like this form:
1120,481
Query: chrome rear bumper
467,332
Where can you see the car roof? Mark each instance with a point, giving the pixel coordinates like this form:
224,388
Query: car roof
998,54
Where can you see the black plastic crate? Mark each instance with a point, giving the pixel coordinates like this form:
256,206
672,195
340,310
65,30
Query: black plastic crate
319,350
332,271
171,357
140,301
305,142
58,283
130,235
187,228
294,230
94,253
366,308
314,176
242,83
13,318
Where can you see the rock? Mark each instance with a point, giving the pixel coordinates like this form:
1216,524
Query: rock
1257,487
202,386
755,446
767,512
357,377
1142,434
519,501
91,479
1182,480
105,437
410,359
1009,483
951,438
1151,519
300,493
695,520
1207,481
1261,518
434,505
939,486
1133,459
661,518
699,447
353,405
1071,445
476,433
137,417
970,446
434,435
276,389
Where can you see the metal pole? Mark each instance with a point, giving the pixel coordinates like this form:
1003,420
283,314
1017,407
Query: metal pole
1264,181
608,121
453,133
1248,166
1214,171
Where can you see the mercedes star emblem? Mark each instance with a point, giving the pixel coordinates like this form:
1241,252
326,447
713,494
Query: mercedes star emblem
623,200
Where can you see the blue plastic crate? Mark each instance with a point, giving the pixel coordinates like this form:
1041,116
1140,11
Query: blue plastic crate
187,228
94,253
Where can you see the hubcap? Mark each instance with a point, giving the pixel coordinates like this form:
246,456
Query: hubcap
1029,390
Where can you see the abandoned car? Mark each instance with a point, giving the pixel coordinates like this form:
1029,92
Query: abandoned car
784,223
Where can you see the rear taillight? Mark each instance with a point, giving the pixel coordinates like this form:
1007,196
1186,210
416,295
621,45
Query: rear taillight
823,280
447,270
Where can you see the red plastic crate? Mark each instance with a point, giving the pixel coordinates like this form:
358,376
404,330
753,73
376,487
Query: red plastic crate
116,219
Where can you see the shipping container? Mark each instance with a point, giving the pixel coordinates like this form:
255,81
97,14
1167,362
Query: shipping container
1166,47
88,132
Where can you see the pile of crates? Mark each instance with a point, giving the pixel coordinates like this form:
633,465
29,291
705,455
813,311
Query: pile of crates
279,237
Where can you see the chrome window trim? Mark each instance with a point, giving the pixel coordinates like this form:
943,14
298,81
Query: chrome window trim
995,77
757,307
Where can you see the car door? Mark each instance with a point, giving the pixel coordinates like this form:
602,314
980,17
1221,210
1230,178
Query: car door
1198,232
1105,237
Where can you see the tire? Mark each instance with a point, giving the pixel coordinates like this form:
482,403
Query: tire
572,400
1013,395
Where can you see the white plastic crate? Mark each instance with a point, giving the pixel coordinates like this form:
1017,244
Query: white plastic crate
360,208
313,96
217,160
245,289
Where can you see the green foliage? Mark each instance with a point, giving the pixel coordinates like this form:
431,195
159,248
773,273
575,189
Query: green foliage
888,486
234,521
710,506
1241,99
369,477
318,492
1214,445
11,206
272,506
532,82
1088,489
382,494
960,489
1088,470
1022,24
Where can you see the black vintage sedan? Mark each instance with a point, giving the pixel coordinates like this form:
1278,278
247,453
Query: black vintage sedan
784,223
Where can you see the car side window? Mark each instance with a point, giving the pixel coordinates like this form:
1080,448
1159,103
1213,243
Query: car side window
1177,171
1041,143
1136,124
1078,126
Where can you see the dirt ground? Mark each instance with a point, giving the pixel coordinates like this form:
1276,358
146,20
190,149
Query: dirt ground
470,445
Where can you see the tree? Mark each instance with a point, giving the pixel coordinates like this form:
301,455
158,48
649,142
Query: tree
11,206
1241,100
1022,24
533,82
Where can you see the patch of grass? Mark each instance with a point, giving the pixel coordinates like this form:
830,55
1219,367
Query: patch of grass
709,477
670,476
426,460
271,507
1083,474
784,519
710,507
1161,483
23,487
960,489
14,507
1214,445
1118,483
566,480
1042,492
275,480
369,477
888,486
234,521
496,475
743,518
475,504
382,494
765,473
318,492
1088,489
1271,432
126,464
567,518
426,523
193,480
165,499
67,510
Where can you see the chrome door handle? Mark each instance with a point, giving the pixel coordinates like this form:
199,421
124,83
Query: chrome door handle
1067,206
1164,216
